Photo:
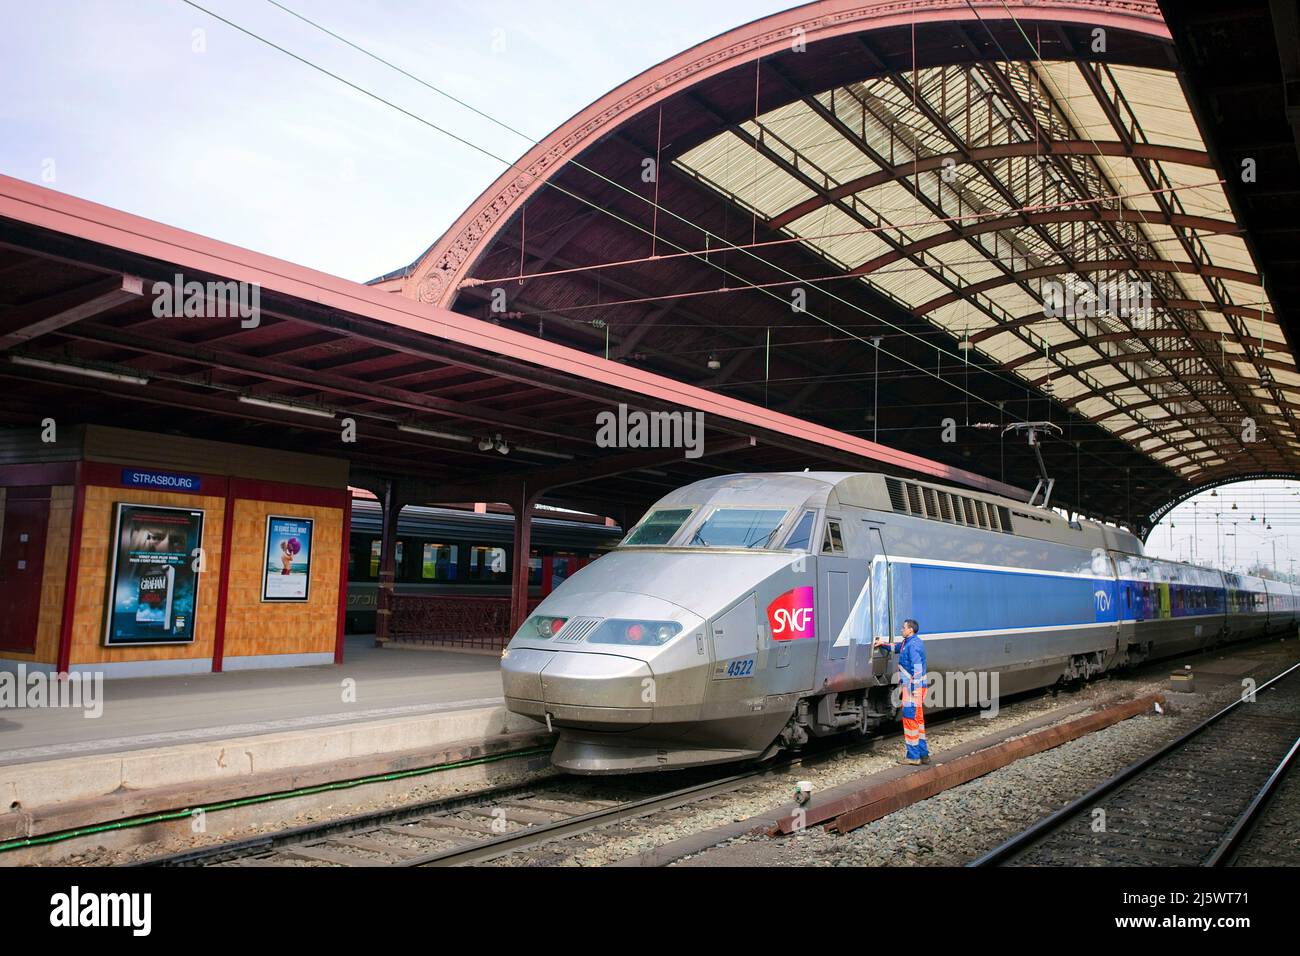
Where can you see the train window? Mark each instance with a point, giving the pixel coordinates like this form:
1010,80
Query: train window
487,563
374,558
563,564
801,537
534,567
832,540
438,562
659,527
738,528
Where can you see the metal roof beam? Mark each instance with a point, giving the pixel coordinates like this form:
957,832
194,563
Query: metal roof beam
34,319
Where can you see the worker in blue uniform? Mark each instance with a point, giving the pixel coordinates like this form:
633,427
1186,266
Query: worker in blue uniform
912,682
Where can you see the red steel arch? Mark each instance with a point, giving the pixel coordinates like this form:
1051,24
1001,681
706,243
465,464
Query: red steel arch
436,276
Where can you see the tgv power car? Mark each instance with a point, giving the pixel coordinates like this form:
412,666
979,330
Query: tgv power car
737,618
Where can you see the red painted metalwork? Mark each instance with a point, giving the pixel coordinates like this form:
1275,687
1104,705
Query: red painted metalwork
984,222
57,212
455,620
391,511
346,548
74,565
72,307
548,575
522,504
1172,154
223,580
1100,265
436,277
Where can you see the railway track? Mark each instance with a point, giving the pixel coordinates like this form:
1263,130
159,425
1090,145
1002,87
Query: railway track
487,825
490,825
1199,800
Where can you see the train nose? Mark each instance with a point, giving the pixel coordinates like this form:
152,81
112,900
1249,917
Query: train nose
598,669
578,689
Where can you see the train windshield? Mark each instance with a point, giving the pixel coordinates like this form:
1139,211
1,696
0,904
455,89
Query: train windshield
660,526
738,528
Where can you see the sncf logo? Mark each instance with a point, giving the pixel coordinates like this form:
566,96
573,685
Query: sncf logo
791,615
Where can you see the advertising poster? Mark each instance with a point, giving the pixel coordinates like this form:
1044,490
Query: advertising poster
153,584
287,570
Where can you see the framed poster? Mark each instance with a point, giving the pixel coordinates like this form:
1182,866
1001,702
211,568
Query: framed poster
153,584
286,570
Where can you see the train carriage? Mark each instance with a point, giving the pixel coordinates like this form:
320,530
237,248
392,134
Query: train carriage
458,553
738,616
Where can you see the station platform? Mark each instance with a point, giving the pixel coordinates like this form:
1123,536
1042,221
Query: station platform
166,742
150,712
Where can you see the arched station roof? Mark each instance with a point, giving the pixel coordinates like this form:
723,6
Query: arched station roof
921,171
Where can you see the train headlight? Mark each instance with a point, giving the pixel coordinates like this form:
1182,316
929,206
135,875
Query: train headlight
542,626
635,633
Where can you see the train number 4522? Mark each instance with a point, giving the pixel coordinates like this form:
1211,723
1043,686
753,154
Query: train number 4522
742,668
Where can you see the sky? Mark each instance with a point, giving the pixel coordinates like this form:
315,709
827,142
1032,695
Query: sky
158,109
1205,524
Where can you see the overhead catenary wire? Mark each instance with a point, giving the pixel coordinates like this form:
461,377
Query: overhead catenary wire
1046,73
991,371
485,115
551,184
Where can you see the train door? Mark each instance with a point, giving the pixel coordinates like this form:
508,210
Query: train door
835,597
22,560
880,586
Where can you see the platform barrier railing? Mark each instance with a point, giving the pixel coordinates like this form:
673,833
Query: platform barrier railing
452,620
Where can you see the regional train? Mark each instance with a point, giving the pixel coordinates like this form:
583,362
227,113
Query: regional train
461,553
738,617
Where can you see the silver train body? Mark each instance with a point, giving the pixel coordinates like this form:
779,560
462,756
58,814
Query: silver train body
738,617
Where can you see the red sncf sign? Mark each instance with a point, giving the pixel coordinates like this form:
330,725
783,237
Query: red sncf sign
791,615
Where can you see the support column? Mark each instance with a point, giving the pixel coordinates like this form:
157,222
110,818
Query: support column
223,577
343,577
70,580
522,503
391,507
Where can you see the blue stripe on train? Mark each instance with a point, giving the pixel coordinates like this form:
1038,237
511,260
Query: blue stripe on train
947,599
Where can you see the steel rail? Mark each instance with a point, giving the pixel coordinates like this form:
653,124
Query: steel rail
1226,852
1023,840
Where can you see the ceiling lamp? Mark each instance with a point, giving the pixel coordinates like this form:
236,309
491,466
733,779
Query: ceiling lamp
714,364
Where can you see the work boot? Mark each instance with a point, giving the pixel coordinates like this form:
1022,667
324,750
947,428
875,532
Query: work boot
925,759
913,761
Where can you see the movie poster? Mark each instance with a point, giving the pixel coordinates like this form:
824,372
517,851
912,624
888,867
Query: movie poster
287,570
153,585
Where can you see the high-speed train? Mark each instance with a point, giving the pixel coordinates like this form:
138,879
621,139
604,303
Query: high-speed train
738,617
